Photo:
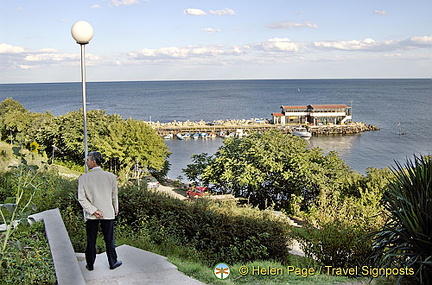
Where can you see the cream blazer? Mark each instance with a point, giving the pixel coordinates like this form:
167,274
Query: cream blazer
97,190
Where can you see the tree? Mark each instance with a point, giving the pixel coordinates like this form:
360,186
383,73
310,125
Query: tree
124,143
14,119
271,167
160,174
195,170
143,147
112,143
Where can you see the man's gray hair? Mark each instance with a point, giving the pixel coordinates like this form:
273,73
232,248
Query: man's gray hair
95,156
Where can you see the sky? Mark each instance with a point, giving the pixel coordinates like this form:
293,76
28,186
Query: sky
137,40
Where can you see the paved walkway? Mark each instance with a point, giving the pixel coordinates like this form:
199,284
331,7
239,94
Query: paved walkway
139,267
170,192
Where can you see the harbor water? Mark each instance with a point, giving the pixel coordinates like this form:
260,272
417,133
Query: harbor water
393,105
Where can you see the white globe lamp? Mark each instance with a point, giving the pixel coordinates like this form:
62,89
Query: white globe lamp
82,32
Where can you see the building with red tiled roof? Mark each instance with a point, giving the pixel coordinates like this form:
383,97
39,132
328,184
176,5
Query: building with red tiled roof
313,114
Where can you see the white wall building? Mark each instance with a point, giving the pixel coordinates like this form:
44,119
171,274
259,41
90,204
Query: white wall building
313,115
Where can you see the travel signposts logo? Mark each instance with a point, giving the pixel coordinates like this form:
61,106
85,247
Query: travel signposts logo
221,271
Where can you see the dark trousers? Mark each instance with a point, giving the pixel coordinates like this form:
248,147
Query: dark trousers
107,227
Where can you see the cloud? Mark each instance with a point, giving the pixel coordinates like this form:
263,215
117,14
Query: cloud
370,44
26,67
194,12
425,41
117,3
278,44
49,57
279,49
96,6
199,12
49,50
380,12
291,25
274,50
353,45
5,48
211,30
177,52
393,55
224,12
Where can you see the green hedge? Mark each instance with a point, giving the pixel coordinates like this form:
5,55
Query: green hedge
218,231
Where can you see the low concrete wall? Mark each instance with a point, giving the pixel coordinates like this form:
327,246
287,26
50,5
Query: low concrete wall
65,262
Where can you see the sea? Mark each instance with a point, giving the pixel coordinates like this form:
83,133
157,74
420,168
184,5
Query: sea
400,108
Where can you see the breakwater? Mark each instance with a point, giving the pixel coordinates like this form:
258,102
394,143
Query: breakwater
254,125
348,129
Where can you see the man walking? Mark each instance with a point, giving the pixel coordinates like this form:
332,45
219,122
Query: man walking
97,194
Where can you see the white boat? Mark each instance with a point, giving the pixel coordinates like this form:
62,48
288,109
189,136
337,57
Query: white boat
179,136
302,132
222,134
169,136
204,135
196,136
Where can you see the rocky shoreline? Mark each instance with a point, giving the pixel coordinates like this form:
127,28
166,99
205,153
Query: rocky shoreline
251,125
348,129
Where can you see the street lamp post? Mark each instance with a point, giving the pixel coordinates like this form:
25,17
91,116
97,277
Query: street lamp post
82,32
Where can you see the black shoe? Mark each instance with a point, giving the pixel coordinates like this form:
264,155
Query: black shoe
117,264
89,268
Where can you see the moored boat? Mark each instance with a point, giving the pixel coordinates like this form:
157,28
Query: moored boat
302,132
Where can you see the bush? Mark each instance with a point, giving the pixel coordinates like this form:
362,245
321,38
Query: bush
44,188
337,228
335,244
217,231
28,260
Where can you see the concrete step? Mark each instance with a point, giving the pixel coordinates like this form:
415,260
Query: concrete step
139,267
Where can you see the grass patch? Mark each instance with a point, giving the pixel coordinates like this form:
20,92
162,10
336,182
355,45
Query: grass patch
181,191
205,274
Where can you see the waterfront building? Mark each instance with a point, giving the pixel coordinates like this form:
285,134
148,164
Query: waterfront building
313,115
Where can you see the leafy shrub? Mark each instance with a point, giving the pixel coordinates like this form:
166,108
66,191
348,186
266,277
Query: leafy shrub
46,186
337,228
28,260
46,189
217,231
335,244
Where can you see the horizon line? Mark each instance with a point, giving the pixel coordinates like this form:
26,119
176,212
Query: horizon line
227,79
